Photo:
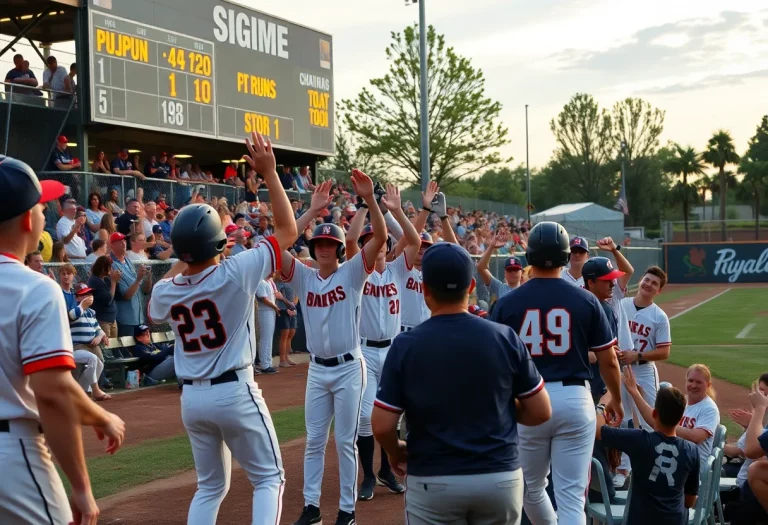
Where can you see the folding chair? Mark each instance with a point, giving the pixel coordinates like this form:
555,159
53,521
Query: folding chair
159,337
605,512
717,470
698,515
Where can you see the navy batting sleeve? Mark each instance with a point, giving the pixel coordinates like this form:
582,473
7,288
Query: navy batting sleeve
692,483
390,394
600,336
527,380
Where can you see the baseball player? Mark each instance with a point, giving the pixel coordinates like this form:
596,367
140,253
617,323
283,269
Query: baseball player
210,307
579,255
651,335
513,270
42,408
268,312
330,297
379,324
560,324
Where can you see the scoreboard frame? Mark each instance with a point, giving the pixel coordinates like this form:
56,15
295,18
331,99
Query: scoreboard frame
284,126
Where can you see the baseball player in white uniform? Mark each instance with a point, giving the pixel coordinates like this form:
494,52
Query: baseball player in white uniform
268,311
579,255
331,297
42,408
651,335
210,307
379,325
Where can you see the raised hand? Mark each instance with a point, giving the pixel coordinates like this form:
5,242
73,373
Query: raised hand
260,157
429,195
363,184
606,244
757,399
500,240
628,378
392,198
741,416
321,197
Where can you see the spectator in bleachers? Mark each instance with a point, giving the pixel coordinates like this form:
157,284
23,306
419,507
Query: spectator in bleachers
67,274
98,249
59,253
252,183
62,158
126,223
84,232
305,179
152,169
108,225
230,172
184,175
264,229
100,165
241,240
135,281
136,253
155,360
113,203
122,166
286,179
87,336
72,75
286,322
103,281
67,230
136,163
149,221
170,214
35,262
165,168
21,76
158,249
95,211
56,78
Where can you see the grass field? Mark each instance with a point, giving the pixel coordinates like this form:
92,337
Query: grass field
729,333
163,458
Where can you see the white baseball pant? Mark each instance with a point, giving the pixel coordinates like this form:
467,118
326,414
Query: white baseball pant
647,377
92,368
374,364
333,392
31,490
565,442
226,419
266,334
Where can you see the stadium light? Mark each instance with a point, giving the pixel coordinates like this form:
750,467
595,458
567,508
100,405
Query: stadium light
424,92
134,151
183,156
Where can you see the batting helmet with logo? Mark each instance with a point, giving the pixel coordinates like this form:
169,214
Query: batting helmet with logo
425,238
327,231
197,234
368,230
548,246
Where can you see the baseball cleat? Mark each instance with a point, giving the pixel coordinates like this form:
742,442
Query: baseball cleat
390,481
346,518
270,370
310,516
366,489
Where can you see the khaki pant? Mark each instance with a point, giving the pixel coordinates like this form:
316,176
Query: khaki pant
109,328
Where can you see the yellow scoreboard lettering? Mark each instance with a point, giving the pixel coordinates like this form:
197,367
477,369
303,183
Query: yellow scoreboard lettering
318,108
125,46
257,86
257,123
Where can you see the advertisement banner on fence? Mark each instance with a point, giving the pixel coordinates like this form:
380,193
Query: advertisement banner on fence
738,262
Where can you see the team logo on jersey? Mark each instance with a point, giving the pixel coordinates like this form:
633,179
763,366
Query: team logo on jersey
326,230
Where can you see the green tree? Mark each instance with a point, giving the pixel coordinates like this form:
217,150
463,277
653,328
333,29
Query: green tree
464,129
638,125
721,152
348,156
586,144
647,184
704,184
754,166
685,162
502,185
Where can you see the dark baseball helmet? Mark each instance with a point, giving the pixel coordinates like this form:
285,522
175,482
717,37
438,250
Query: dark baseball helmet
196,234
368,230
548,246
328,231
426,238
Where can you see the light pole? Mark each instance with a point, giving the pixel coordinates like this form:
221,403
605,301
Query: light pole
424,93
527,169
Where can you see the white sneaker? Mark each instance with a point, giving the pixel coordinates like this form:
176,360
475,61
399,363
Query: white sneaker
619,480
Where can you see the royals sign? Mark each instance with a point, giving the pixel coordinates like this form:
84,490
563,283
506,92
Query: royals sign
717,262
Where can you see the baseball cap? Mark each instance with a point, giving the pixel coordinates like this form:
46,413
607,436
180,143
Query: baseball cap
83,290
62,139
580,243
601,269
239,216
157,229
117,236
425,238
21,190
139,330
514,263
231,228
447,267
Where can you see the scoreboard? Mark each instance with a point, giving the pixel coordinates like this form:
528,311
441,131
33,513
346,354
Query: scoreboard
210,69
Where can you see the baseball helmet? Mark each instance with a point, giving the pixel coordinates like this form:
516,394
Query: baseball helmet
548,246
425,238
328,231
196,234
368,230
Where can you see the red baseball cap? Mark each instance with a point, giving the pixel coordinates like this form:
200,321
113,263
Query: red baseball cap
117,236
83,290
62,139
231,228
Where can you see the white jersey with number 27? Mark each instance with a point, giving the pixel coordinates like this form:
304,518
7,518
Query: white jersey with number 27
212,312
649,325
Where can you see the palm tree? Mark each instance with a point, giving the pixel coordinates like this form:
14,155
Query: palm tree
705,184
756,176
720,152
685,162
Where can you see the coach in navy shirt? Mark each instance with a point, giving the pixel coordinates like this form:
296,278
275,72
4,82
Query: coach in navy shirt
665,468
465,383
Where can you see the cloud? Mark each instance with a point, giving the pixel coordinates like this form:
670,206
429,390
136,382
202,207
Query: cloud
706,83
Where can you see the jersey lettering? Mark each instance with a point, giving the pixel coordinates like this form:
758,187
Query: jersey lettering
688,422
556,324
665,464
326,299
414,285
639,328
206,310
386,290
394,306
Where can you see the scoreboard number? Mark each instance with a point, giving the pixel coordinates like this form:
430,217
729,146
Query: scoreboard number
173,113
103,101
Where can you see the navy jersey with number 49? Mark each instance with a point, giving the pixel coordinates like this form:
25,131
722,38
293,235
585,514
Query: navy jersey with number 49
559,323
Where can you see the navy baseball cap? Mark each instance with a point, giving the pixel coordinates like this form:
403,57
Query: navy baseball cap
580,243
601,269
447,267
20,189
139,330
513,263
157,229
425,238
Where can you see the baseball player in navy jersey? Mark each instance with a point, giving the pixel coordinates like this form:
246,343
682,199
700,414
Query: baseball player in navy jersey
513,270
210,308
331,297
579,255
560,324
379,325
42,408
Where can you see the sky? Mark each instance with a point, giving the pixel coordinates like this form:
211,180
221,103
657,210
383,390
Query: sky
705,62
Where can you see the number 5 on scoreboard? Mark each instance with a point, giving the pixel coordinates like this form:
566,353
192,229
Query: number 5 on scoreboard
103,101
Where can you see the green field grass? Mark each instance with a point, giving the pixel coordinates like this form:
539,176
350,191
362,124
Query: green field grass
668,296
739,365
162,458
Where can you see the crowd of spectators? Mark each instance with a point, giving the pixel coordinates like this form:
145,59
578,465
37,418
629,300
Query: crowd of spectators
23,82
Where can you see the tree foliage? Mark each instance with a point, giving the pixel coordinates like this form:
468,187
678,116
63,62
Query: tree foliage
754,166
348,157
464,129
685,162
638,125
719,153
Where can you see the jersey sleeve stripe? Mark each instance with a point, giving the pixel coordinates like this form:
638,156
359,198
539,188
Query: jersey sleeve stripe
365,263
532,391
289,277
387,406
604,347
45,355
408,264
60,361
708,431
667,343
276,253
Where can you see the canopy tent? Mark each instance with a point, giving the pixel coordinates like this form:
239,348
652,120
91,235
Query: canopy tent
585,219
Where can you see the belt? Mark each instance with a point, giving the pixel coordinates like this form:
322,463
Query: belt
384,343
5,426
405,328
230,376
334,361
571,382
643,362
